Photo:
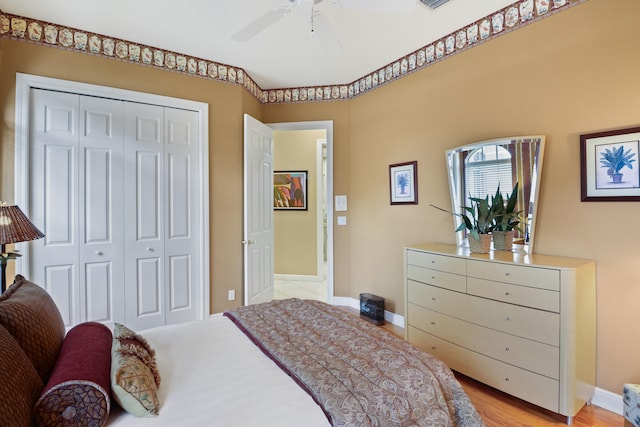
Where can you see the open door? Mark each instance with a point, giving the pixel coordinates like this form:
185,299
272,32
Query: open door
258,211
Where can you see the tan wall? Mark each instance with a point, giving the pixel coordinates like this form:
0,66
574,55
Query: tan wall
227,103
295,232
571,73
574,72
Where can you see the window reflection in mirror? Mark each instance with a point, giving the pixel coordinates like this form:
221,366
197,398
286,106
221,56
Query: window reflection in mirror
476,170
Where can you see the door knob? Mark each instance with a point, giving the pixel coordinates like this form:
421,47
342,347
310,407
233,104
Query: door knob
248,242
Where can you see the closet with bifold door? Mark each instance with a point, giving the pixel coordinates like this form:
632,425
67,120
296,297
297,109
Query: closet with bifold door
115,187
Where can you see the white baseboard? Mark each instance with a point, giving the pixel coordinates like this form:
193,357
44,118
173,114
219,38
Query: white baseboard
607,400
298,277
390,317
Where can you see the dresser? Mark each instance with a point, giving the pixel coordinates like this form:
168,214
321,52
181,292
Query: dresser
521,323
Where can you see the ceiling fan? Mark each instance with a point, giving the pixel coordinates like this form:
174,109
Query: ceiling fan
271,17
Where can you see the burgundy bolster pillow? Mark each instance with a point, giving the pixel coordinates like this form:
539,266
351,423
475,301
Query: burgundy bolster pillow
80,385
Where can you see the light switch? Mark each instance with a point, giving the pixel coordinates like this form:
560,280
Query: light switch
341,203
342,220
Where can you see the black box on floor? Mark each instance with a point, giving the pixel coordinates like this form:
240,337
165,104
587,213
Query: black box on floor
372,308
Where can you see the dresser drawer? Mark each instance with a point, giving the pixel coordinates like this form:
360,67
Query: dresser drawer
438,278
534,388
515,294
437,262
525,322
533,356
544,278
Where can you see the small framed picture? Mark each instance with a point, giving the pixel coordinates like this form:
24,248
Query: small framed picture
403,183
609,166
290,190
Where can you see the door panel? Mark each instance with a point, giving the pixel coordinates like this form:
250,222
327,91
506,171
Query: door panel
179,271
148,290
59,282
100,204
182,228
147,198
97,196
98,291
53,197
179,209
58,189
143,213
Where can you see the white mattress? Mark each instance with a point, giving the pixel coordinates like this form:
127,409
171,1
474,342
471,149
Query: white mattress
213,375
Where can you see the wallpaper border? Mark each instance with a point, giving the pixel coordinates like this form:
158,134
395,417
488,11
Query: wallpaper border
500,22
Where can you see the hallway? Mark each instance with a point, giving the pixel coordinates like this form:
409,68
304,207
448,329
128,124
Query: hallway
315,290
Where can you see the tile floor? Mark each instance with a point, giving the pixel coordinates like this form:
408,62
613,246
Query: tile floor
284,289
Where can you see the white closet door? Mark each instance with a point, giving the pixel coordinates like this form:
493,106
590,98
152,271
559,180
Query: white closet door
53,198
100,219
144,216
182,229
76,195
116,188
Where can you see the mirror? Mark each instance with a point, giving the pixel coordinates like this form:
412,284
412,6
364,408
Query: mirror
475,170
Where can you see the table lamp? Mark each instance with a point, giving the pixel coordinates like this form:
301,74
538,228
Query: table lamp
14,227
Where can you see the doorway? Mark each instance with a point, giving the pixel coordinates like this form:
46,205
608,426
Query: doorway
317,281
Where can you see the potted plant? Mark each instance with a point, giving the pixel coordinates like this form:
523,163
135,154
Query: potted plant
477,219
614,160
505,219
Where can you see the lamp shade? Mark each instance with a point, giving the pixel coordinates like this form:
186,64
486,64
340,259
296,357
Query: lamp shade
15,226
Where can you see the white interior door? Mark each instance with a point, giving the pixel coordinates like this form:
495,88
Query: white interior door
258,211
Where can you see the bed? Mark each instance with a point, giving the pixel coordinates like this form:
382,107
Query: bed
285,363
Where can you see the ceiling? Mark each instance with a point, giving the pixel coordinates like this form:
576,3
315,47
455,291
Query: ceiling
350,40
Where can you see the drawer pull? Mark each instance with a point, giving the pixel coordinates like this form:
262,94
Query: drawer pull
434,347
507,349
507,274
433,277
507,318
433,298
507,293
433,323
507,379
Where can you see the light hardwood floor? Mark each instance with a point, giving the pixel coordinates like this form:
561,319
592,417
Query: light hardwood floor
498,409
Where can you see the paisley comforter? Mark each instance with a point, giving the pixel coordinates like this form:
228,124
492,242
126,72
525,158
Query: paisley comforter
360,374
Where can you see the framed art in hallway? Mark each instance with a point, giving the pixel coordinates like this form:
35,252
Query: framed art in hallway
290,190
609,169
403,183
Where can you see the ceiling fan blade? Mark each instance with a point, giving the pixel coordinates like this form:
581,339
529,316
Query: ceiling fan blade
260,24
387,6
324,31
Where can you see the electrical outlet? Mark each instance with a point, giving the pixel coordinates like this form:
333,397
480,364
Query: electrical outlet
232,295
